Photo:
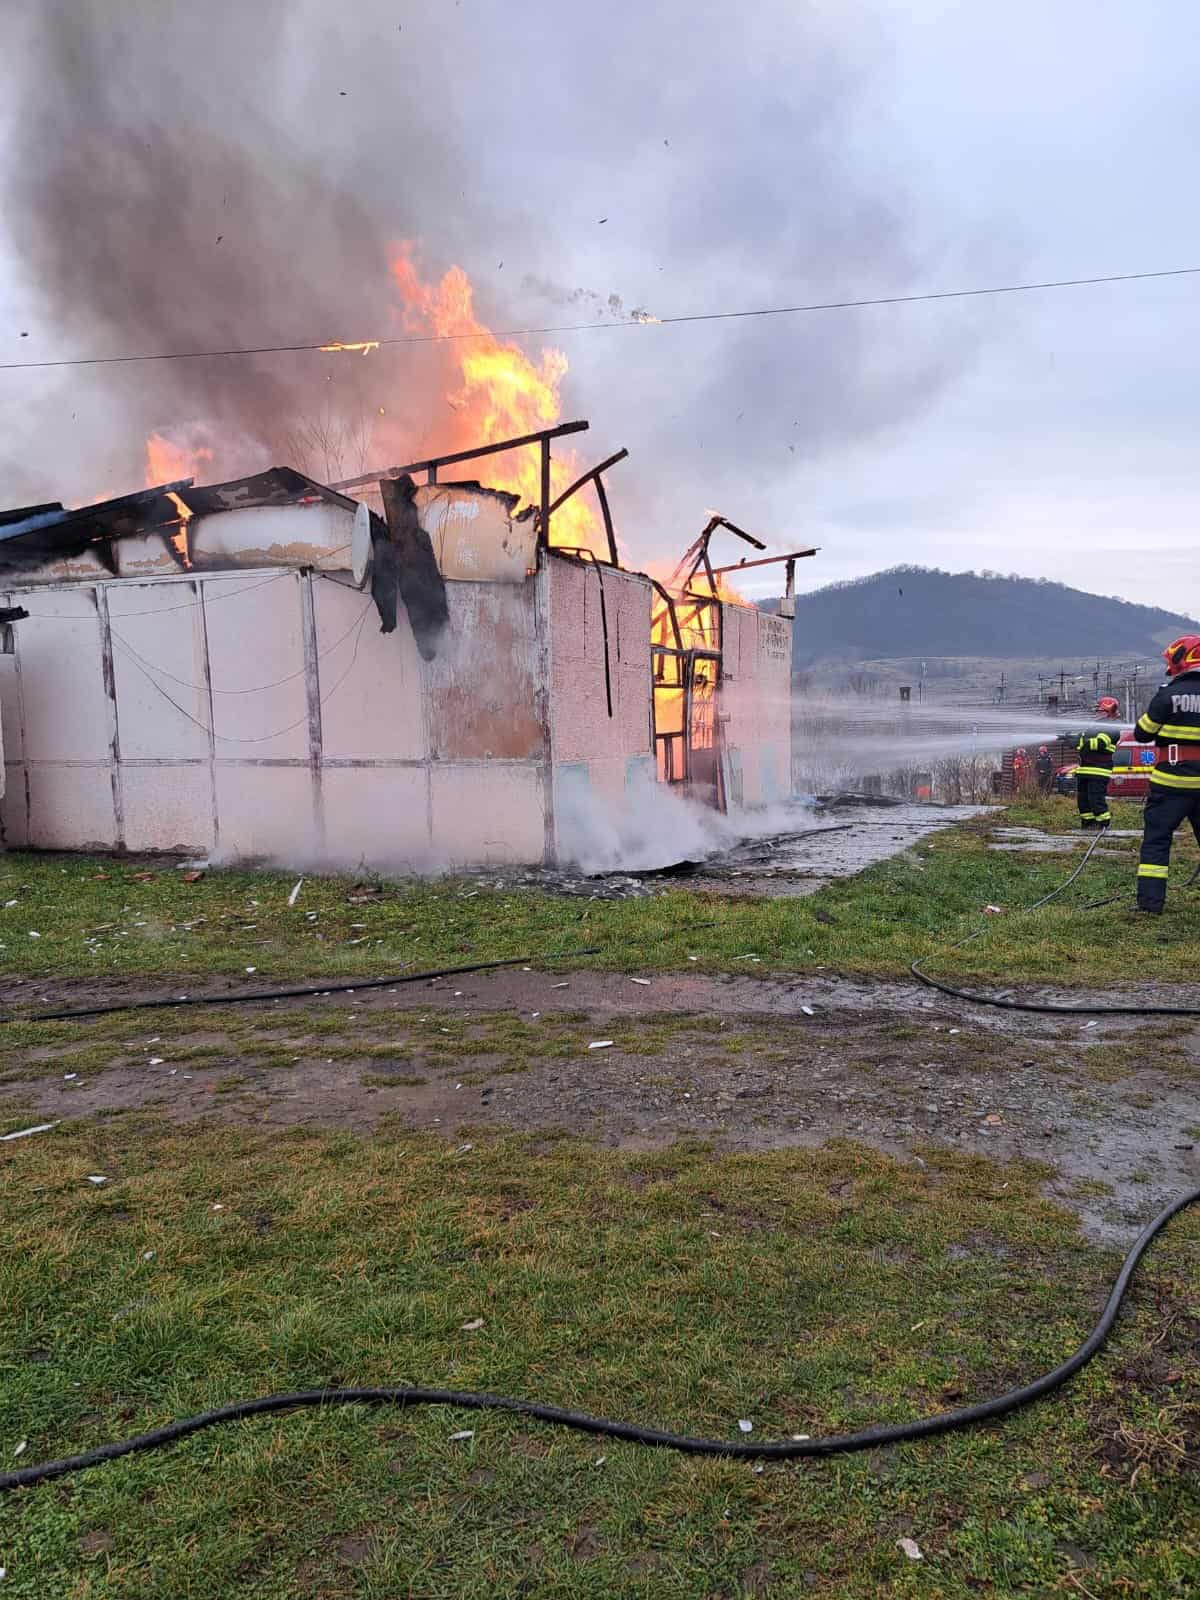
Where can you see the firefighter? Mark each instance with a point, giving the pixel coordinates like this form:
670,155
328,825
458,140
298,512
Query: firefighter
1020,770
1044,767
1095,750
1172,721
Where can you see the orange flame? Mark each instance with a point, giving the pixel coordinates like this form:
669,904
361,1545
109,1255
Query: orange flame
166,462
501,394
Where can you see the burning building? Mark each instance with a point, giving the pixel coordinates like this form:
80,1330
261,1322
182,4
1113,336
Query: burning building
385,671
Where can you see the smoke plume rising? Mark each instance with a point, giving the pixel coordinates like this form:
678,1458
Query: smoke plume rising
183,177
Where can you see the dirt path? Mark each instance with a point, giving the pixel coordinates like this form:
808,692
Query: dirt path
1113,1106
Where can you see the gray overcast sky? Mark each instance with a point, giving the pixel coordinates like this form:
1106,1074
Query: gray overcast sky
790,153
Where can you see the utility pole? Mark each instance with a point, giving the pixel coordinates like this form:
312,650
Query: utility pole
1062,684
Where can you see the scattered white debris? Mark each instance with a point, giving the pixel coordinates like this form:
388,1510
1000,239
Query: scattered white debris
808,1011
23,1133
645,982
68,1077
97,1178
147,1255
251,969
693,958
955,1030
295,894
562,985
602,1044
463,1148
21,1448
34,935
1091,1024
466,1433
534,1015
9,904
745,1425
156,1061
911,1549
992,911
473,1326
217,1206
599,1461
798,1437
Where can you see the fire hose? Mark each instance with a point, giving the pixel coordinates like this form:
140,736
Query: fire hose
636,1433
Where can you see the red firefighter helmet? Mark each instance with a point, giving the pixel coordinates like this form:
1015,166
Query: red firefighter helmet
1108,706
1183,655
1021,751
1043,750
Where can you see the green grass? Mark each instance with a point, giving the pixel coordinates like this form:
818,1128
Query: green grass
156,927
1060,814
810,1291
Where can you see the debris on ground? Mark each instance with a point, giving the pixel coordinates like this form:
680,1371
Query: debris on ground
24,1133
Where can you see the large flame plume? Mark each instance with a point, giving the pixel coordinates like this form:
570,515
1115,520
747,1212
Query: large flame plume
500,393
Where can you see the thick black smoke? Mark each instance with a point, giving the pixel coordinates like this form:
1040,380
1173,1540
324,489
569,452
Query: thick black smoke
183,176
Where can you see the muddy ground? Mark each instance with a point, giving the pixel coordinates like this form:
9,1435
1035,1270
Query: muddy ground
1112,1105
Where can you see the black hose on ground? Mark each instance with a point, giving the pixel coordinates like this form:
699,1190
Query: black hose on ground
242,997
1051,1007
781,1450
633,1433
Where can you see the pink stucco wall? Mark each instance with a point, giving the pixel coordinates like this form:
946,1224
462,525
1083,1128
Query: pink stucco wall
599,762
262,714
756,706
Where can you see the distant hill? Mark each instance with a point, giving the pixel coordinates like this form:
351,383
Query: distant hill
923,612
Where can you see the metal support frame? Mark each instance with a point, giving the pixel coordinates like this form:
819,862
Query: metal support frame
699,549
431,465
594,476
791,558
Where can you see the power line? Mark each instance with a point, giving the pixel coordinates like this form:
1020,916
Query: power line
588,327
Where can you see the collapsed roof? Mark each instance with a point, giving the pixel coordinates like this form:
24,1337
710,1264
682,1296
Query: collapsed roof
30,536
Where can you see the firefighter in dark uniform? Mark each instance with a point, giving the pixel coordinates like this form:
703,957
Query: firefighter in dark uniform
1172,721
1043,766
1095,750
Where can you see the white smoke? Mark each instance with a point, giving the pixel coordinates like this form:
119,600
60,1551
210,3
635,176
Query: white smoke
657,826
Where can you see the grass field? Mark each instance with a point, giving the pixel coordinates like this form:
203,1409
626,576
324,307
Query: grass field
98,919
804,1292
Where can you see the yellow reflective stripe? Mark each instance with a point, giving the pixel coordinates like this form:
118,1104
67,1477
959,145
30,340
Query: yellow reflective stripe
1176,730
1145,871
1147,724
1093,772
1173,780
1103,816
